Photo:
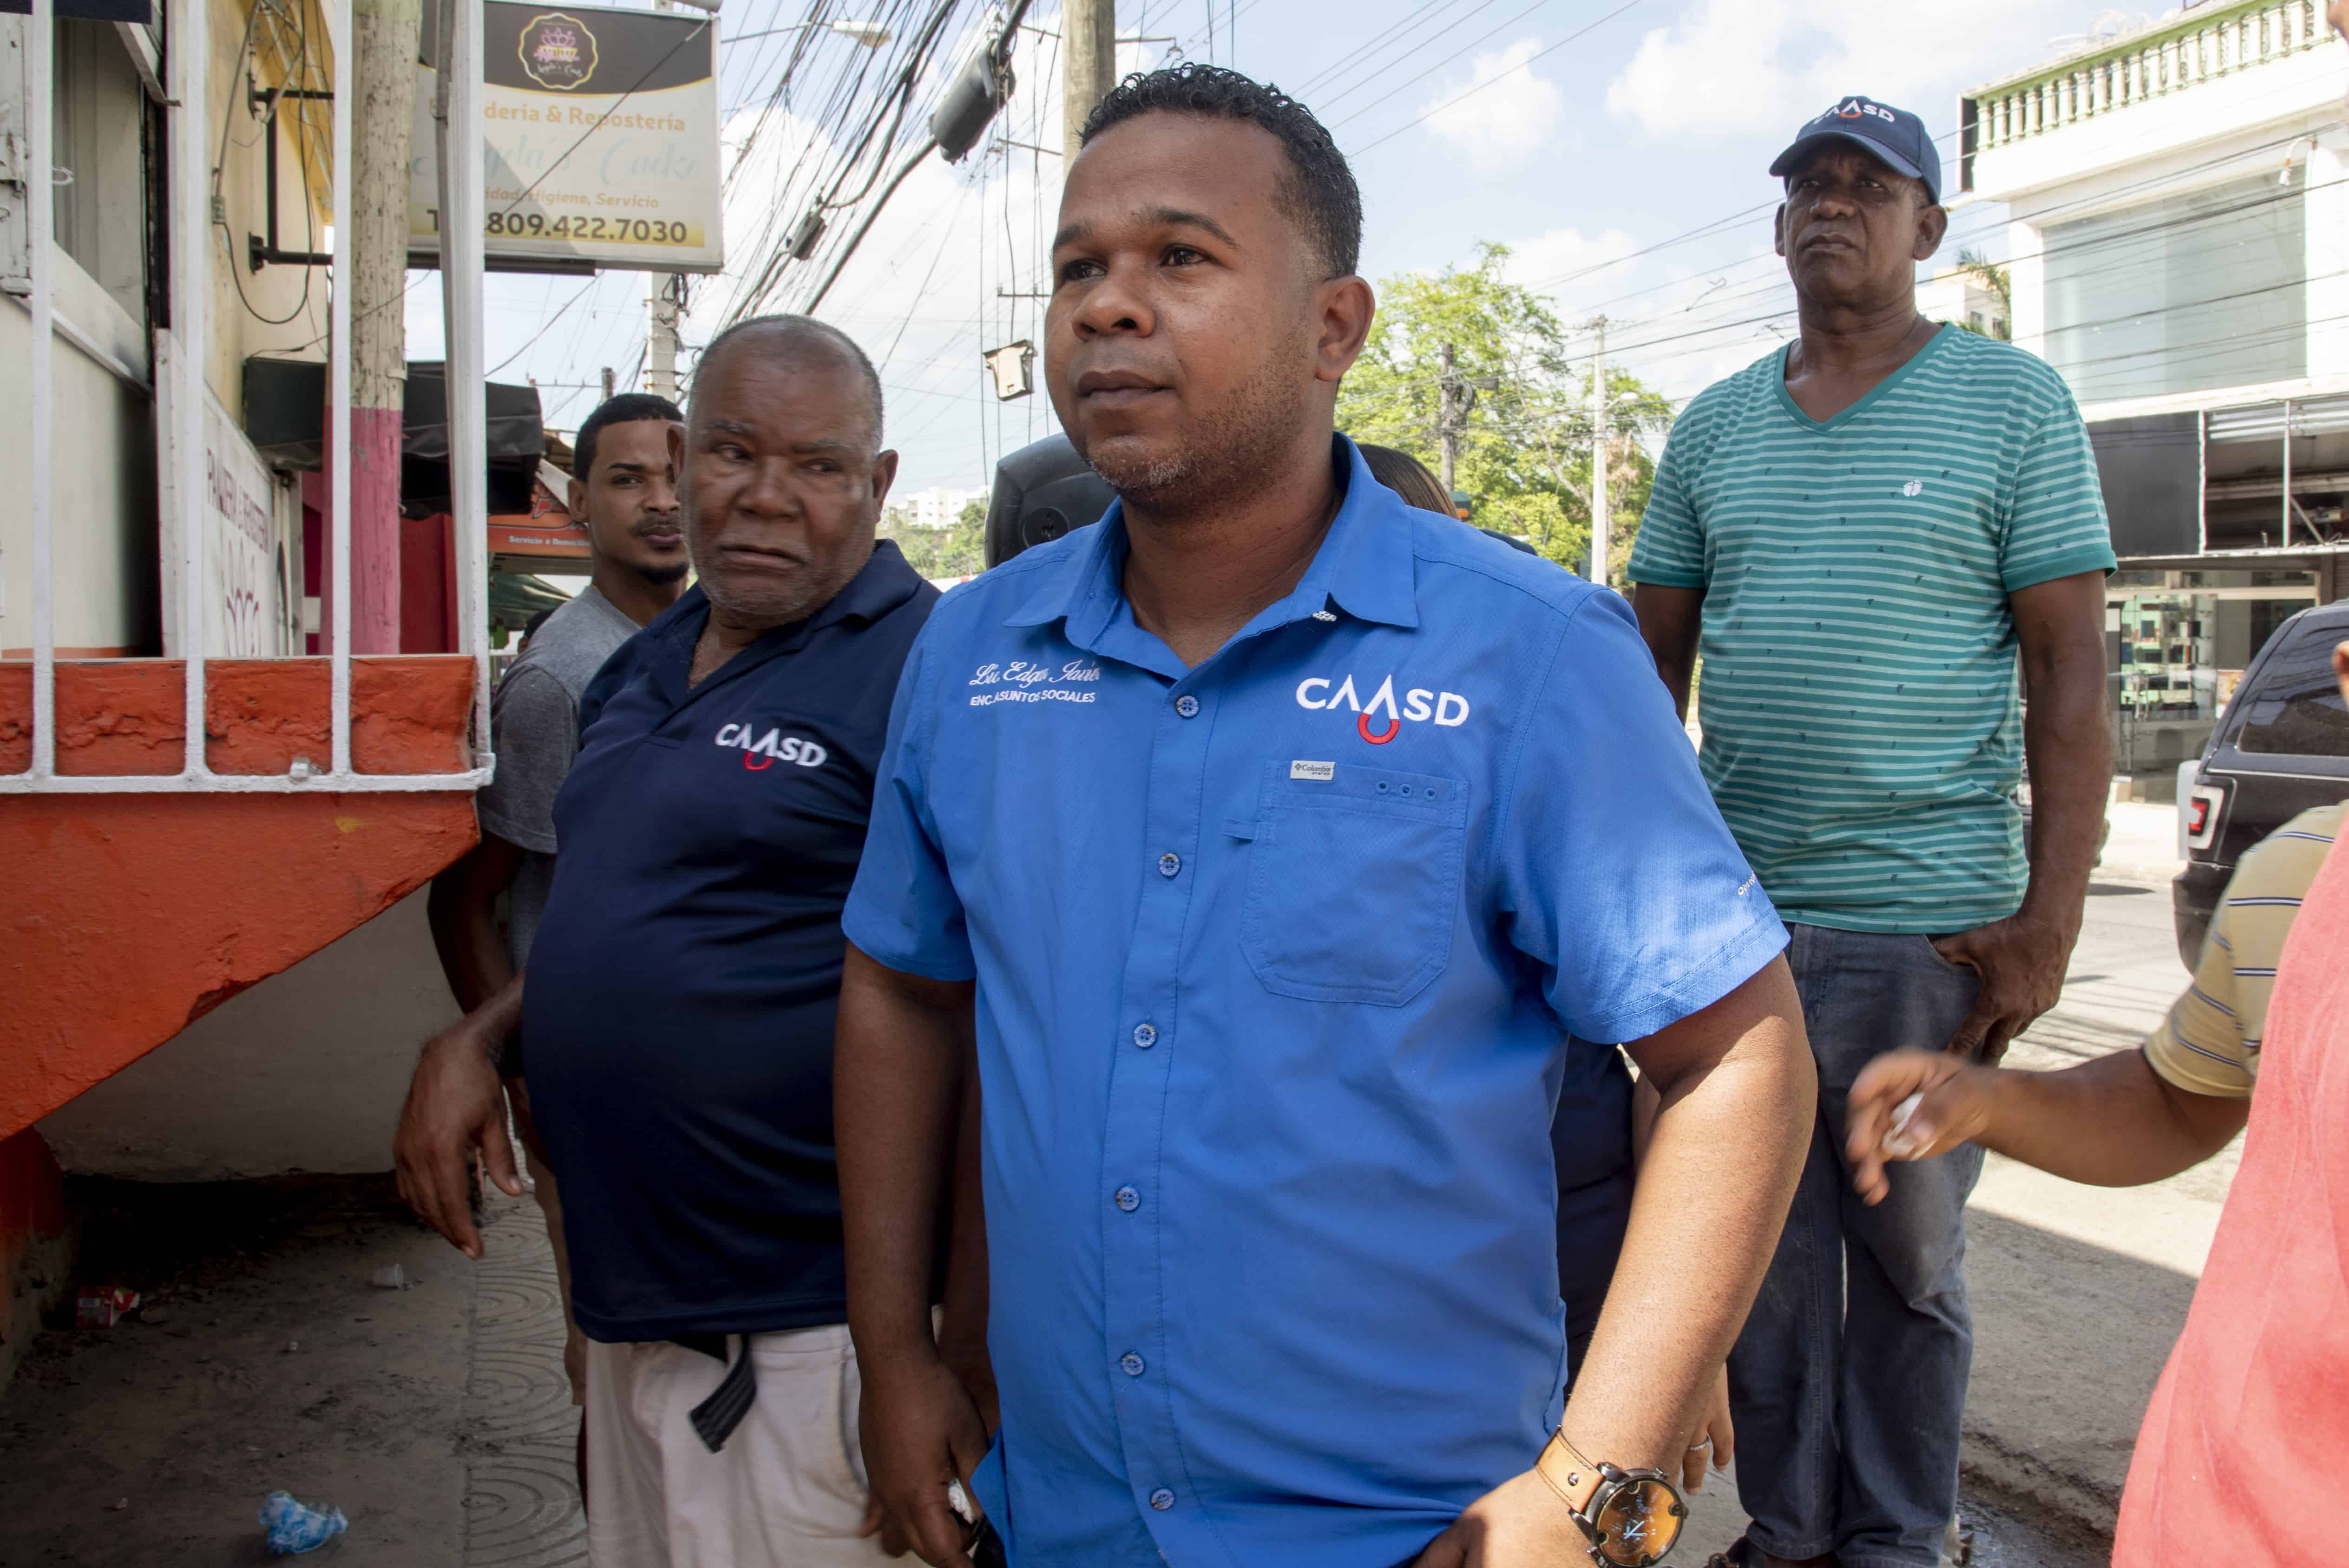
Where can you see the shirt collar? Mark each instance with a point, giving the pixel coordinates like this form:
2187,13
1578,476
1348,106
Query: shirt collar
886,580
1364,566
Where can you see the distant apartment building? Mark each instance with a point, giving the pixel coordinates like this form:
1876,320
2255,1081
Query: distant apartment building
940,505
2178,249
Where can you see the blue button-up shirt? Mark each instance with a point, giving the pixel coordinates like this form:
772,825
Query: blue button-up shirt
1278,958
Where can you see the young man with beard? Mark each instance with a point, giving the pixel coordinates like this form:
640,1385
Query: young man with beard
1274,838
623,492
678,1009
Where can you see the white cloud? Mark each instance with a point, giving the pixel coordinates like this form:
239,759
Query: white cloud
1761,67
1572,266
1518,114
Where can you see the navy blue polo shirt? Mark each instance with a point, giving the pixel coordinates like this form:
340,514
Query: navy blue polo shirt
1282,962
680,996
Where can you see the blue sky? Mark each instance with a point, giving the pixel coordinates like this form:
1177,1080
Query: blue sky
1590,136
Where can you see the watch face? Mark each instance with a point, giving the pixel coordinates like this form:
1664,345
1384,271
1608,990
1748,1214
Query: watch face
1638,1520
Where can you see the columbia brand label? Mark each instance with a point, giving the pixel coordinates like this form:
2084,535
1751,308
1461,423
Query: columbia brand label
1379,719
762,750
1323,771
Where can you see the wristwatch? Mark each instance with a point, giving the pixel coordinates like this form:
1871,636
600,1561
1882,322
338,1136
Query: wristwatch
1633,1517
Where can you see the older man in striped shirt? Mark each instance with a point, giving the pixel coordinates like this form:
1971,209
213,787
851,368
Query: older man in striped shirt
1859,534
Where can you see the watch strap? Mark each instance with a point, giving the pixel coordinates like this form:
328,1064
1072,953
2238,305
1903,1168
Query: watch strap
1573,1477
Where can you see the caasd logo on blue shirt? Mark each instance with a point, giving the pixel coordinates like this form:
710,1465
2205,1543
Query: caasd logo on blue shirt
761,752
1449,708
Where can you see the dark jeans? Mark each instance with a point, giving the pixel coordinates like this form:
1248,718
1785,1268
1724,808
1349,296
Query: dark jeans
1850,1376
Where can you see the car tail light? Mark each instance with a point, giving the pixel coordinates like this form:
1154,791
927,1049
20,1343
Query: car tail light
2200,811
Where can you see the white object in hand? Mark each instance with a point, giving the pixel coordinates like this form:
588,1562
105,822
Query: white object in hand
1897,1141
959,1500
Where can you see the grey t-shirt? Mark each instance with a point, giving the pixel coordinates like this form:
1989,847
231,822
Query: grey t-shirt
534,730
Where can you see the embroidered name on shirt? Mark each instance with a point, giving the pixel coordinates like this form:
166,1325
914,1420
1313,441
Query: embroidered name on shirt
1025,682
1449,709
1320,770
761,752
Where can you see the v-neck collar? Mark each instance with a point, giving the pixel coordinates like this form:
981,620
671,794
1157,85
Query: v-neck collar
1795,411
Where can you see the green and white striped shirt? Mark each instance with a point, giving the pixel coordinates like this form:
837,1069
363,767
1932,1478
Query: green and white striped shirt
1862,727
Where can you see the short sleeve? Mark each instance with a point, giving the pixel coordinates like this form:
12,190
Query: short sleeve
904,911
2055,523
2209,1043
1669,549
534,730
1617,875
2200,1046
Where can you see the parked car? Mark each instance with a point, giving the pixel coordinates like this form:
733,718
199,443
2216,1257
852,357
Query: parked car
2282,747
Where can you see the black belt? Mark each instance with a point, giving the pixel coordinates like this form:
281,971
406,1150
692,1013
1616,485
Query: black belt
715,1418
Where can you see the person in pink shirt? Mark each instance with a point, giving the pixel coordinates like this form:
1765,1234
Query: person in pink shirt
2240,1458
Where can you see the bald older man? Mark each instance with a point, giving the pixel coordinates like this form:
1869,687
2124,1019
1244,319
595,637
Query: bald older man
679,1002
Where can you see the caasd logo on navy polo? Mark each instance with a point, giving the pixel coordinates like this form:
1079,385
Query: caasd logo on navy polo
761,752
1419,705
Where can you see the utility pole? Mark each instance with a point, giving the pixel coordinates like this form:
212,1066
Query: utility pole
383,77
1447,426
663,291
610,382
664,296
1598,406
1088,66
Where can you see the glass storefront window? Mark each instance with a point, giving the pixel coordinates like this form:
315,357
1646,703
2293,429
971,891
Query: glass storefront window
2204,289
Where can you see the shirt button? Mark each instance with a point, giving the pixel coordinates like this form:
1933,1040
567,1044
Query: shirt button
1130,1364
1169,863
1187,706
1128,1199
1144,1035
1162,1500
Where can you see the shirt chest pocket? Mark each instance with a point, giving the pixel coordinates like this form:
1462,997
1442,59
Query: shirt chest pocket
1354,881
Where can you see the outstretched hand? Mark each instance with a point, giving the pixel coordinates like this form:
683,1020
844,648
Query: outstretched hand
1952,1108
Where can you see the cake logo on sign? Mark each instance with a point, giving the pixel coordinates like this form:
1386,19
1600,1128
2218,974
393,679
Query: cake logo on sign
558,51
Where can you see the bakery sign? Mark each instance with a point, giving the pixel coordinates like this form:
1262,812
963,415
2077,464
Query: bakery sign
599,139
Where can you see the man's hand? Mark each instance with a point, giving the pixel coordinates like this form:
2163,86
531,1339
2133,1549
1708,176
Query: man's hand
1521,1523
1714,1442
2020,963
1954,1109
455,1107
920,1432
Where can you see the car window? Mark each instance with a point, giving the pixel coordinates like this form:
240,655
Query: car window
2297,709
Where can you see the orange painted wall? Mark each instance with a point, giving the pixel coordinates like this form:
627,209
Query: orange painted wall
129,915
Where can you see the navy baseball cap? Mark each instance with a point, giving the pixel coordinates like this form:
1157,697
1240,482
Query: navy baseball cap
1894,136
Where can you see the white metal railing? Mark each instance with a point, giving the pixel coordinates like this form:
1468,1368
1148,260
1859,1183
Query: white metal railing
2174,57
191,253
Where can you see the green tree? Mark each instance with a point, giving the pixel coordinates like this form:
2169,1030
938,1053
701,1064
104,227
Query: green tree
1525,449
1994,278
959,550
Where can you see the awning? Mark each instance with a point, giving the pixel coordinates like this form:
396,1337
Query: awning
285,415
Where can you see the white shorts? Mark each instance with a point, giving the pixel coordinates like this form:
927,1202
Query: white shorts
788,1491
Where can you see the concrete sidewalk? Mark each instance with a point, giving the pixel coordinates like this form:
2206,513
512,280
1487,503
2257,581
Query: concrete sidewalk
435,1416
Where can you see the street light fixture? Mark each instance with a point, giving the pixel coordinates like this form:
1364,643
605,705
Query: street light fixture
866,34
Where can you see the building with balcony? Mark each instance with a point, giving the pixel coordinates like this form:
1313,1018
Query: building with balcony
2178,248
